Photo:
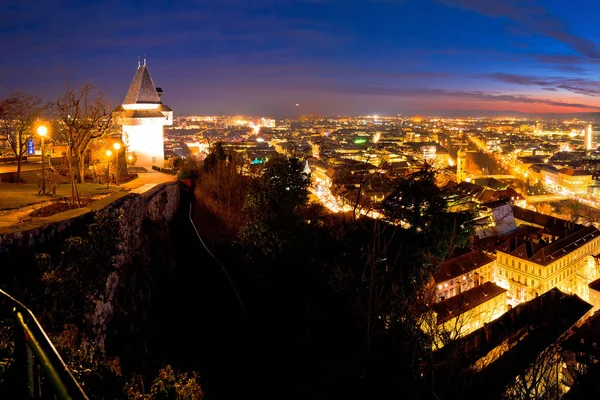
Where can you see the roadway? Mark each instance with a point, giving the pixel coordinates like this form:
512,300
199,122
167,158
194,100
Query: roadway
546,198
555,193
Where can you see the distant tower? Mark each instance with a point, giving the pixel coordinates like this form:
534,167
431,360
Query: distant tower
461,158
143,117
588,138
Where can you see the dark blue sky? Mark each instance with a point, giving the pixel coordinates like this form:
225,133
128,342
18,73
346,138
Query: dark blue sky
263,57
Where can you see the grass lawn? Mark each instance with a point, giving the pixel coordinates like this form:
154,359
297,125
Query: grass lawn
17,195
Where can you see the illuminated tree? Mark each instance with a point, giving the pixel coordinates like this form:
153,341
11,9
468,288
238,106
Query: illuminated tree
273,206
18,115
84,115
385,269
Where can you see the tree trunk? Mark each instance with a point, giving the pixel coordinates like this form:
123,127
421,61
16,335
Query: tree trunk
80,168
19,168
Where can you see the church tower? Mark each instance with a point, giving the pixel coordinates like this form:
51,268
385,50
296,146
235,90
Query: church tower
143,117
461,158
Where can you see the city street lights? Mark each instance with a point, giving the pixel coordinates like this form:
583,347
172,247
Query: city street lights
108,154
117,146
42,131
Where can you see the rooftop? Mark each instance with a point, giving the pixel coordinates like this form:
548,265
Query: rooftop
142,89
456,305
461,265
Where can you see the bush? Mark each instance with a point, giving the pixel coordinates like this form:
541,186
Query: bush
189,170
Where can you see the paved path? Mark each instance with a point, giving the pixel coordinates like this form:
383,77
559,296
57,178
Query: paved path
144,182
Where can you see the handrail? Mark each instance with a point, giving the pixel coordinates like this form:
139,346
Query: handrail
32,339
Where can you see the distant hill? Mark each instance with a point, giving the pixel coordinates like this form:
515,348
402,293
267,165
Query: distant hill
589,116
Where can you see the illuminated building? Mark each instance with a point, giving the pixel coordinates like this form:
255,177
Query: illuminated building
462,314
462,273
594,294
575,180
529,266
143,117
429,154
461,173
588,138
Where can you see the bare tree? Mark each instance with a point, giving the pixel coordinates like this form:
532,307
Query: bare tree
541,380
84,116
18,115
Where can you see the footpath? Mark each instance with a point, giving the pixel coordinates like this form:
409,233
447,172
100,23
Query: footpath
18,219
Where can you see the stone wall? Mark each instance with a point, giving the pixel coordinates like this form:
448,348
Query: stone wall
138,213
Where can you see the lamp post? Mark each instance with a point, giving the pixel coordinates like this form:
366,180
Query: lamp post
117,146
42,131
108,154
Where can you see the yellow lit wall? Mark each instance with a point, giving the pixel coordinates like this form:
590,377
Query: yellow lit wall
524,278
146,140
453,287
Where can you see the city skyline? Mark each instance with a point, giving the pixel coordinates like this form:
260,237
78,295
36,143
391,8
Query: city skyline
285,59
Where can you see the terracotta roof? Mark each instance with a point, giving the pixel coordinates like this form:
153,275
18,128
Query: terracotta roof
456,305
595,285
574,172
461,265
552,225
529,329
536,167
142,89
546,254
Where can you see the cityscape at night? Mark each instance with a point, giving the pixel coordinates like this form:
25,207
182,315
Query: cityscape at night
300,199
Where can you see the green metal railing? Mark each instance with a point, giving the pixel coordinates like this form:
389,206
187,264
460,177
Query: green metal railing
33,346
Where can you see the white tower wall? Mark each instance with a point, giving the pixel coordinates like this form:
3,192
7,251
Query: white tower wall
146,140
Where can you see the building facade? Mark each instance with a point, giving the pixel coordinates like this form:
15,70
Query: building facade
462,314
527,268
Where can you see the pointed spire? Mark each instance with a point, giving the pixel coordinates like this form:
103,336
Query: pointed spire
142,89
138,61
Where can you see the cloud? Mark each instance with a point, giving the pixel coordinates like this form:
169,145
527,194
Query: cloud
532,16
582,86
571,68
514,79
461,94
495,96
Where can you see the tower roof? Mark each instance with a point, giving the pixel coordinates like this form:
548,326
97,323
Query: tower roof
142,89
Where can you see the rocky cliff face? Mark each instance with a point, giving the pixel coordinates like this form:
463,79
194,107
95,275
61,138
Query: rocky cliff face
143,252
141,219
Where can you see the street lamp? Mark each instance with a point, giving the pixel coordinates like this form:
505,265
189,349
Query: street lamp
42,131
117,146
108,154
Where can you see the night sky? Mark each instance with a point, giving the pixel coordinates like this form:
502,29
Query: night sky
262,57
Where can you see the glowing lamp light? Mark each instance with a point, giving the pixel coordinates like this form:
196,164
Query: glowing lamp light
117,146
42,130
108,153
